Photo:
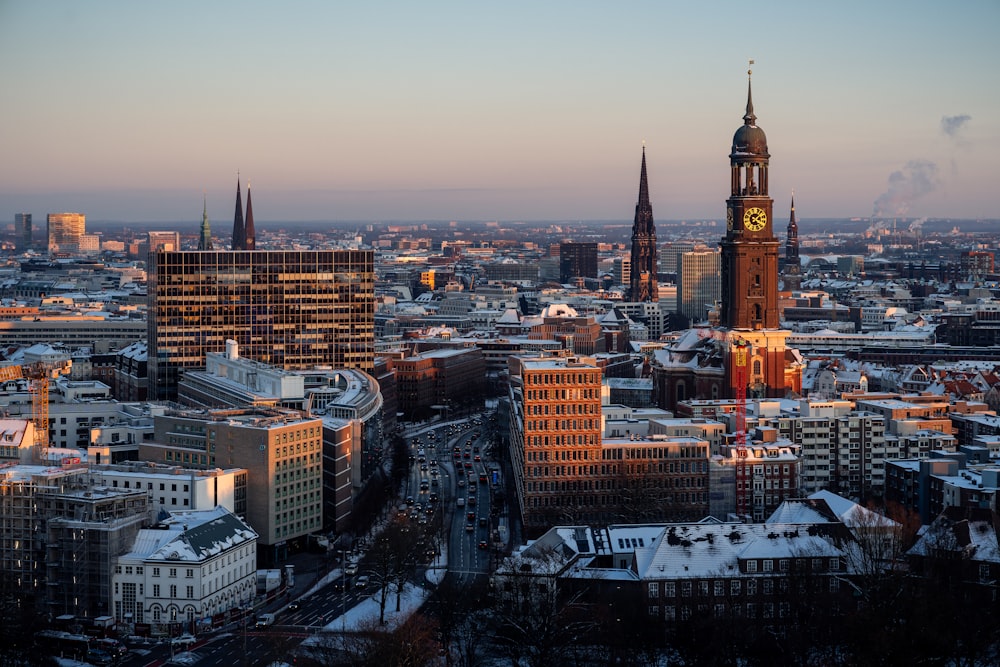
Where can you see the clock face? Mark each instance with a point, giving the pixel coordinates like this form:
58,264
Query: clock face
729,219
755,219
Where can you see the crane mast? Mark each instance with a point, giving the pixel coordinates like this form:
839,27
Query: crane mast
741,352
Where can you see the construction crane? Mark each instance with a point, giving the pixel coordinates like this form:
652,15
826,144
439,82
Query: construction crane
741,353
37,374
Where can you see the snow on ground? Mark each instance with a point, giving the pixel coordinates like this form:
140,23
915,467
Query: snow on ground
365,614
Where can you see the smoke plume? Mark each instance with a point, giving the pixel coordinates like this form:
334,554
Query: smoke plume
916,179
951,125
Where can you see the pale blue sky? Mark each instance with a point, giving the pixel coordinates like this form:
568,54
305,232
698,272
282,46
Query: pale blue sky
516,110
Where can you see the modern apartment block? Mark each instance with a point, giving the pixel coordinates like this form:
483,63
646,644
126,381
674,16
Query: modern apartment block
281,450
292,309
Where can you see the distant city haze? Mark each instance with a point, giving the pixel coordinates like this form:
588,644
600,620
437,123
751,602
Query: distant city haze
376,111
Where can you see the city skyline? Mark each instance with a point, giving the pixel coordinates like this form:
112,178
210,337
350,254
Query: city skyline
442,111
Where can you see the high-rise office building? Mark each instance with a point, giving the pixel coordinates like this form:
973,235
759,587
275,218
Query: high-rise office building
291,309
577,260
22,228
64,231
643,281
559,410
698,284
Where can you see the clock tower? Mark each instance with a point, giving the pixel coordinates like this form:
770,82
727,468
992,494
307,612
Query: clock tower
749,248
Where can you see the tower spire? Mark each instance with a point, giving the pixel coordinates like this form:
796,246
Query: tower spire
643,285
239,231
205,238
249,235
749,118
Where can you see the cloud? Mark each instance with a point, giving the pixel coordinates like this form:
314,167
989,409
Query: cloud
916,179
951,125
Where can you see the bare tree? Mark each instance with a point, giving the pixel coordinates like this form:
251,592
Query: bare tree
535,622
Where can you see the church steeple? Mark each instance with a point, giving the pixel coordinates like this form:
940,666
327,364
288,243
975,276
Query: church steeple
749,257
205,238
239,231
793,265
643,285
249,235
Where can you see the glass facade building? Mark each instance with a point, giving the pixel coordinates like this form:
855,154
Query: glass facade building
290,309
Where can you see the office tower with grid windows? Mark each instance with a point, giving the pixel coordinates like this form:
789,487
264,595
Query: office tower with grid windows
291,309
64,231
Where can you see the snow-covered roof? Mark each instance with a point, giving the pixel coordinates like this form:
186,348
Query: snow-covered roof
191,536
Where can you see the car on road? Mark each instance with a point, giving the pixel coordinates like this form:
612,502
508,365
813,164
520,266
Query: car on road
184,640
409,500
96,656
472,500
482,544
293,606
362,581
461,482
482,522
351,569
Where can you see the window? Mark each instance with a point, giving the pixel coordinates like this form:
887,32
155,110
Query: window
783,565
751,587
686,589
720,587
156,571
173,591
669,589
768,587
173,572
156,590
189,592
734,587
768,565
703,588
654,589
720,611
670,613
751,566
190,573
653,611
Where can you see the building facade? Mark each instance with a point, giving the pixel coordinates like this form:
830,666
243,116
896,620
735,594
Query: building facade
64,231
290,309
577,260
698,283
281,451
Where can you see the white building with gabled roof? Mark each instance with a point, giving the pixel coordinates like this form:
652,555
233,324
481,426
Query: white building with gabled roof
189,568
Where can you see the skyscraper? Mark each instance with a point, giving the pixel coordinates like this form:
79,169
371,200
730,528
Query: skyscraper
290,309
64,231
643,285
205,236
22,228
